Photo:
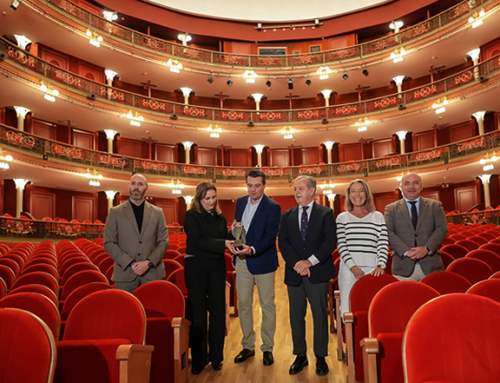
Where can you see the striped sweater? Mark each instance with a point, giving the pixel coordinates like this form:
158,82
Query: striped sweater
362,242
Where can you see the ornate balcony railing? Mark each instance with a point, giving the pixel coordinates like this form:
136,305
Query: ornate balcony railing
162,47
32,228
483,217
167,109
49,149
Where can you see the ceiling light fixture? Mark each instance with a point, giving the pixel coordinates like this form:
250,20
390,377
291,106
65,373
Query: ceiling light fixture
135,118
397,55
439,105
476,19
94,177
250,76
287,132
214,131
175,65
176,186
50,92
323,72
4,160
95,38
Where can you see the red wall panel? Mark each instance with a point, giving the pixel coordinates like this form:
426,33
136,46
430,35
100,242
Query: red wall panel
42,205
83,139
311,156
463,131
165,153
424,140
207,156
465,198
279,157
382,148
131,148
350,152
44,129
83,208
239,157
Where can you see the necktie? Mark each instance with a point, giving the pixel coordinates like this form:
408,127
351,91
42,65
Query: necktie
303,222
414,214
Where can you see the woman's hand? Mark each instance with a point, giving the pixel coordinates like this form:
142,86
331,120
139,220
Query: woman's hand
229,244
378,271
358,273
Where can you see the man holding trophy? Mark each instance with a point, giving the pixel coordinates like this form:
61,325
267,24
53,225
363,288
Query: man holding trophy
257,220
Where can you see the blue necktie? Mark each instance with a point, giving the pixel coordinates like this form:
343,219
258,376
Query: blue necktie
303,222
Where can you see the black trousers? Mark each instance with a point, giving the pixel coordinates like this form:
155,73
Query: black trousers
206,283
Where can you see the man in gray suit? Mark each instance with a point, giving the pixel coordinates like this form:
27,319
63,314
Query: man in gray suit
136,237
417,227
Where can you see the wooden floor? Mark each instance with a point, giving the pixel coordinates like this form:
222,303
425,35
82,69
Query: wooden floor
253,370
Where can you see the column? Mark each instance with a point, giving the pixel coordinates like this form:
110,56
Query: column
331,199
20,184
187,148
257,97
329,146
110,75
189,200
259,148
479,116
22,41
186,92
326,95
399,82
110,135
485,179
21,115
474,55
402,136
110,195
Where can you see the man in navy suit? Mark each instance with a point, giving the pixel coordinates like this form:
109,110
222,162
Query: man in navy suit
256,264
307,238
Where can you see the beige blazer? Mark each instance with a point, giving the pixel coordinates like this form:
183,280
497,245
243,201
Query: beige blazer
431,231
124,243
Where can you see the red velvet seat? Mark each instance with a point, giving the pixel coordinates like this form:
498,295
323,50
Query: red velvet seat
79,279
78,294
456,251
458,237
3,288
109,275
489,288
19,260
446,258
468,244
38,278
356,321
231,278
474,270
39,289
180,259
479,239
103,327
98,241
105,264
10,263
177,278
8,276
4,248
170,266
446,282
171,254
495,247
495,276
448,241
46,268
453,338
487,256
37,304
390,310
42,259
70,261
27,352
75,268
167,330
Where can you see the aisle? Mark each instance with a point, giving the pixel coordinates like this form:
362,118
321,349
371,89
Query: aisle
253,370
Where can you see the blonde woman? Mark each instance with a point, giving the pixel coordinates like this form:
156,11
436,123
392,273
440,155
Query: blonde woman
363,240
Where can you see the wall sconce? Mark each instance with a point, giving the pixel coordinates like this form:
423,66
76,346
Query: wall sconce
323,72
396,25
397,55
257,97
95,38
93,177
50,92
175,65
439,105
250,76
110,16
135,118
184,38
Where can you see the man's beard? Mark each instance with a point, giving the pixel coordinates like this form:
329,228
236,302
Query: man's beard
136,194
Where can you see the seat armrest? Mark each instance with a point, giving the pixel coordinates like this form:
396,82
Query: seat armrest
349,341
340,340
181,349
370,349
135,362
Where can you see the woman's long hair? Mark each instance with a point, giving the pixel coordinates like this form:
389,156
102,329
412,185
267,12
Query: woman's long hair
369,203
201,192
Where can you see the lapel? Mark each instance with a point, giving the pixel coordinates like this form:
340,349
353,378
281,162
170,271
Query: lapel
127,208
312,220
403,208
240,208
422,211
146,219
294,216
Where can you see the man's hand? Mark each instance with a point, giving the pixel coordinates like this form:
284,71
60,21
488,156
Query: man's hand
302,267
247,250
357,272
416,253
140,268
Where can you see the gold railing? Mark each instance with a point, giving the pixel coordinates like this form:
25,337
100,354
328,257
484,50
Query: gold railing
483,217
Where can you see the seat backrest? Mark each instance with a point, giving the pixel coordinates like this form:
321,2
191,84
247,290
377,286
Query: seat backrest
495,247
468,244
81,278
37,304
171,254
229,262
107,314
487,256
3,288
16,258
78,294
446,282
8,276
38,278
180,259
177,278
489,288
13,265
49,269
456,251
40,289
170,266
479,239
161,299
28,352
458,237
446,258
434,341
474,270
105,264
75,268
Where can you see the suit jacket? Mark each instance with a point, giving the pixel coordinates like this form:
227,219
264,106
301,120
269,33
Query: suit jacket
431,231
124,243
262,234
321,240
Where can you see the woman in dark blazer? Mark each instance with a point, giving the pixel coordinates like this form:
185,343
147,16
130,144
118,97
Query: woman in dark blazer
205,274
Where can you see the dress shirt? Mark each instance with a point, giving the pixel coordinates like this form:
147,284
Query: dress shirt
408,205
248,213
314,261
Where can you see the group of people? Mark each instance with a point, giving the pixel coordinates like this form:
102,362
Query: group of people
136,238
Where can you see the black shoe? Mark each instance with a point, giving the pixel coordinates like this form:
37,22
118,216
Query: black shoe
217,366
297,366
268,358
197,370
321,366
244,355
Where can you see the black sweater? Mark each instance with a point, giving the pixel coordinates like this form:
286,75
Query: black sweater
206,234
